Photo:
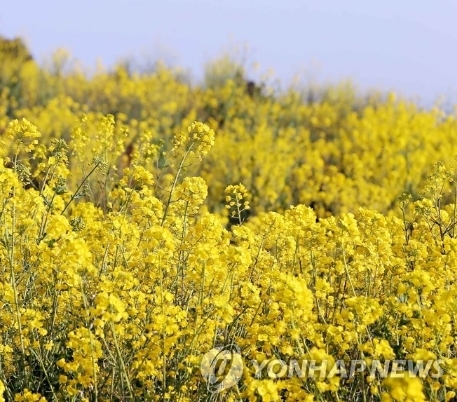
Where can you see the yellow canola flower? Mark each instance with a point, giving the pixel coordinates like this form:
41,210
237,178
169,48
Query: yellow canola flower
119,273
405,389
196,142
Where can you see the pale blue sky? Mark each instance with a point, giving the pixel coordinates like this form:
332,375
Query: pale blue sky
405,45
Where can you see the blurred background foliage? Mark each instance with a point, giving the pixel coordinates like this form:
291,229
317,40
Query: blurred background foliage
326,146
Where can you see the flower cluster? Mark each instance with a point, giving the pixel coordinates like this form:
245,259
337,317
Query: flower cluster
118,273
123,299
236,199
196,142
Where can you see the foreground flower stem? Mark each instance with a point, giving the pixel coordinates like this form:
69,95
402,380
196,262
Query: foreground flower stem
175,181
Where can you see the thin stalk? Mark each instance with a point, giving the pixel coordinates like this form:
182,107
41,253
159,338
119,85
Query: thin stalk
86,307
181,165
13,281
75,194
121,360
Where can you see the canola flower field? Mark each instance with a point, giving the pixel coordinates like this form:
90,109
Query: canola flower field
126,253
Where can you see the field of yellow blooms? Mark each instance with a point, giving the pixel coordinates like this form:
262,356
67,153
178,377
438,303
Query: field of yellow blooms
145,221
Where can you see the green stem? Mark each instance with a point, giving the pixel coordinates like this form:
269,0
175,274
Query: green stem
121,360
75,194
181,165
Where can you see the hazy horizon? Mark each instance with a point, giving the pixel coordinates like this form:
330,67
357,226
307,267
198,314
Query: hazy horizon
404,47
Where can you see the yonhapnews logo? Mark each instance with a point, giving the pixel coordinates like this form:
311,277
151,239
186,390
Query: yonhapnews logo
222,368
